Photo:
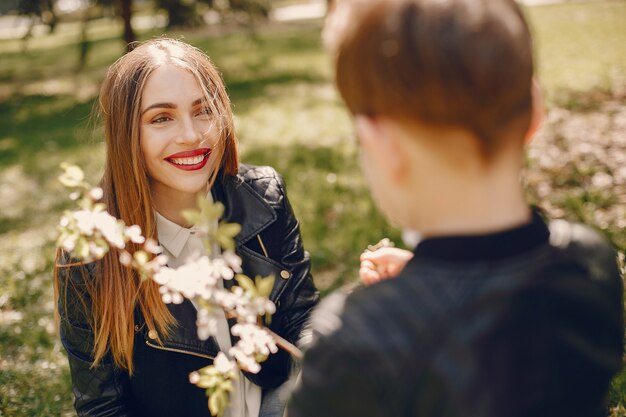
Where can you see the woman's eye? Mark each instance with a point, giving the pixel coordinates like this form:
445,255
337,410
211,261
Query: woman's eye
160,119
205,111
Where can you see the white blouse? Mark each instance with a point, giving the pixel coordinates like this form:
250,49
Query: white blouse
181,245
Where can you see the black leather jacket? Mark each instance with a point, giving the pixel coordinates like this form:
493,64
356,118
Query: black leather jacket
269,243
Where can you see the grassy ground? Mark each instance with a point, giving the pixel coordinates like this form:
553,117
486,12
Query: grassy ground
288,116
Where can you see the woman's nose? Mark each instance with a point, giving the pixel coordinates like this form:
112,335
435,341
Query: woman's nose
190,133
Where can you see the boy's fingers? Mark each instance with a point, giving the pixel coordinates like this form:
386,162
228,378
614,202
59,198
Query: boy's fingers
366,263
368,276
377,255
387,255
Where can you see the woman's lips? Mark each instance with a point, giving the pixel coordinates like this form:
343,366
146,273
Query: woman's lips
190,160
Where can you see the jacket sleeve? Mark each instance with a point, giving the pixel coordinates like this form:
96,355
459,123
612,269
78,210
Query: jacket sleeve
300,295
99,391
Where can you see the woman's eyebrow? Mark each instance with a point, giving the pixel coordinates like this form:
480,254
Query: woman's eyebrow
160,106
172,105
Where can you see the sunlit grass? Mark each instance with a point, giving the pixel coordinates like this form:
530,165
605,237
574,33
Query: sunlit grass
580,46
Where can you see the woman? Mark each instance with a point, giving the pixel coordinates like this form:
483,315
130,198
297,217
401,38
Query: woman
170,137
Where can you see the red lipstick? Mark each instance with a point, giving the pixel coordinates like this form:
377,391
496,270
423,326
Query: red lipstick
191,160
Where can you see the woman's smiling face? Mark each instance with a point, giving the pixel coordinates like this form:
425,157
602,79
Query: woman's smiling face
177,133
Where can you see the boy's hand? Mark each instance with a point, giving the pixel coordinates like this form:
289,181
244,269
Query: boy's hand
383,263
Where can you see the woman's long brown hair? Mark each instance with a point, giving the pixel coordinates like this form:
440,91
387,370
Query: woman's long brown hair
115,292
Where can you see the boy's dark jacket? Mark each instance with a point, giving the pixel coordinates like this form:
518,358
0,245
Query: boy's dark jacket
480,329
159,386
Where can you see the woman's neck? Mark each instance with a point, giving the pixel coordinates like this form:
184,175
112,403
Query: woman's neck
170,204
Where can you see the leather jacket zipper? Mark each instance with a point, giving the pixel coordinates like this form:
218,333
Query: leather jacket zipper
186,352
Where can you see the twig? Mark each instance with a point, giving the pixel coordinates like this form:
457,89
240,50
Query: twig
286,346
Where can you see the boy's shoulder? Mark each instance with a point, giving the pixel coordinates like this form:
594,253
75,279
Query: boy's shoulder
580,244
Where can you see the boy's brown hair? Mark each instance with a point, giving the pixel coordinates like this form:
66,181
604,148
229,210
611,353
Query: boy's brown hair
458,63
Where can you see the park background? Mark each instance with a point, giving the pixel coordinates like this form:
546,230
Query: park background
288,115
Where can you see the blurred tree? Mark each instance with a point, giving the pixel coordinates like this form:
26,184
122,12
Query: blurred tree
179,12
125,11
185,12
38,9
251,7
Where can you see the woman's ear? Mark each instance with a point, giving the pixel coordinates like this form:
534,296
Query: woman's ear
538,110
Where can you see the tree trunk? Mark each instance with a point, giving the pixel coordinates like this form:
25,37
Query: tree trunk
126,14
83,45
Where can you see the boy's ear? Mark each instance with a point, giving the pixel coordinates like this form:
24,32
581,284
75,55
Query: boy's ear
378,136
538,110
366,129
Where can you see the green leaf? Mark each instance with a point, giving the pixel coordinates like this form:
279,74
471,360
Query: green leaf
214,405
101,243
229,229
82,248
210,211
246,283
191,216
225,234
218,402
141,257
98,207
264,285
226,243
72,176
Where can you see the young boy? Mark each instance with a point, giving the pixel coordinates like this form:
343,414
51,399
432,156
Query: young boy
496,313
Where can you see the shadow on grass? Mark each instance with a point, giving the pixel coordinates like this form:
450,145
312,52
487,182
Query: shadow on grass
35,125
41,64
242,90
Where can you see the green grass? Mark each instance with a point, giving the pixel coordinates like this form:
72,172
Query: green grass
580,46
288,116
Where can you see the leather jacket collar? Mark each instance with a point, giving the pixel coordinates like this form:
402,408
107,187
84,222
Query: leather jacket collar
242,205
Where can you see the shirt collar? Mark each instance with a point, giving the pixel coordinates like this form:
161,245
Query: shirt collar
172,236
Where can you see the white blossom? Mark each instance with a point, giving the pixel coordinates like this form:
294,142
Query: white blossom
222,364
206,324
96,193
125,258
85,221
194,377
189,280
69,243
246,362
97,251
161,260
232,260
110,228
152,246
254,339
221,269
134,234
64,222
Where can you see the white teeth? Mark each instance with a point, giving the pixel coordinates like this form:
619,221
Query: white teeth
188,161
